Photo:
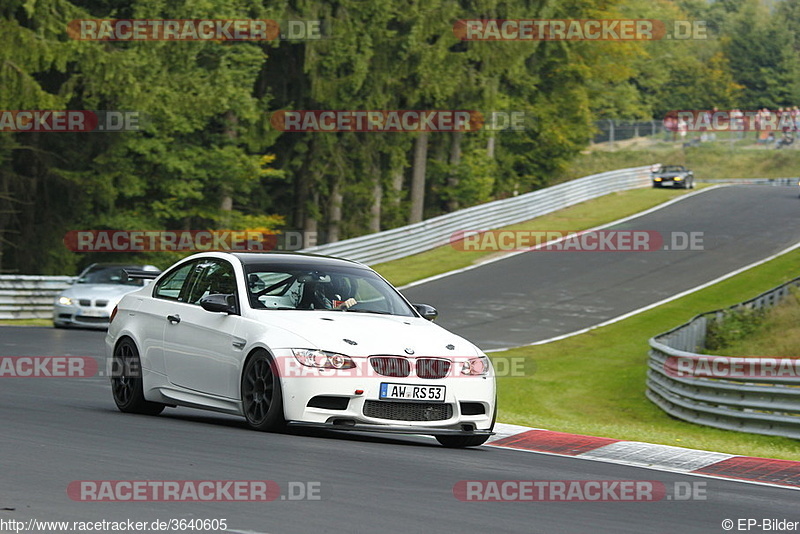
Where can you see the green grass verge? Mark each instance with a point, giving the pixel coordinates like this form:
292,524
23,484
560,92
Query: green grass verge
581,216
594,383
776,334
708,161
26,322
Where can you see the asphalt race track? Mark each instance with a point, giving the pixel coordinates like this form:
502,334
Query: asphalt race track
56,431
59,430
542,294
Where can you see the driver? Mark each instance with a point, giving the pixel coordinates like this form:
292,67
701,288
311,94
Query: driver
337,294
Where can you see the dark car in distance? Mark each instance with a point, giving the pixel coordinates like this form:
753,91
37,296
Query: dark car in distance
672,176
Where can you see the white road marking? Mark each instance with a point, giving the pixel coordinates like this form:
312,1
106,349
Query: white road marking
647,454
562,238
659,303
654,467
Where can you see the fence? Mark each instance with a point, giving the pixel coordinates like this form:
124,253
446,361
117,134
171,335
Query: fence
758,395
609,131
415,238
653,131
30,297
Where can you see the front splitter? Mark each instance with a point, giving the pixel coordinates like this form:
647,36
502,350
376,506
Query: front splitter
390,429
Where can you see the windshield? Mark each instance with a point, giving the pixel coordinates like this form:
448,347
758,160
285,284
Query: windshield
105,274
286,287
671,168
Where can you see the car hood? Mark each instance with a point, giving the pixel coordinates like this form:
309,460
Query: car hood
371,333
669,174
98,291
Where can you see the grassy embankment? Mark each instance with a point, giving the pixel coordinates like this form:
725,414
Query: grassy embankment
594,383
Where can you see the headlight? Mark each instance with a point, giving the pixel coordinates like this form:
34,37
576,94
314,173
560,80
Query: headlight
322,359
65,301
476,366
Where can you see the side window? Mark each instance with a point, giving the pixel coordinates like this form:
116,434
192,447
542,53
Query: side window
215,277
170,286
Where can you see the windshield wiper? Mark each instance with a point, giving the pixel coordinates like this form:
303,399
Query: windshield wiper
371,311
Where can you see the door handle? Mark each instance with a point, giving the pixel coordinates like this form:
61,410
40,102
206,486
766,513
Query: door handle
174,319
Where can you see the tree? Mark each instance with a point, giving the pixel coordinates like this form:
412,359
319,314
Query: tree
764,65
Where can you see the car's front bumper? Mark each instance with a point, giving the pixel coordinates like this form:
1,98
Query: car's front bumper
83,316
669,182
468,406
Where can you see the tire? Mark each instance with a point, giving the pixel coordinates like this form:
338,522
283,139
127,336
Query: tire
460,442
262,396
126,381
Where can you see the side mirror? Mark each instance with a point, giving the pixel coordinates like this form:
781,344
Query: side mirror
219,303
427,311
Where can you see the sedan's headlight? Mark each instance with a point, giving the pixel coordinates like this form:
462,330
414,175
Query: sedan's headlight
322,359
476,366
65,301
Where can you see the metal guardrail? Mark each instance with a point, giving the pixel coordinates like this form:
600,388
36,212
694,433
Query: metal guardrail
30,297
419,237
758,395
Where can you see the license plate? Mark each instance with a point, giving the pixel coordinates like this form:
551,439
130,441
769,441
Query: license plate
412,392
93,313
666,182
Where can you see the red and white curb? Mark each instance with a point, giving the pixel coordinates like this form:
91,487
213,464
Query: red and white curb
782,473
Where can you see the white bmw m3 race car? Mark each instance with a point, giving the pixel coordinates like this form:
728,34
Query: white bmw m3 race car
293,339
